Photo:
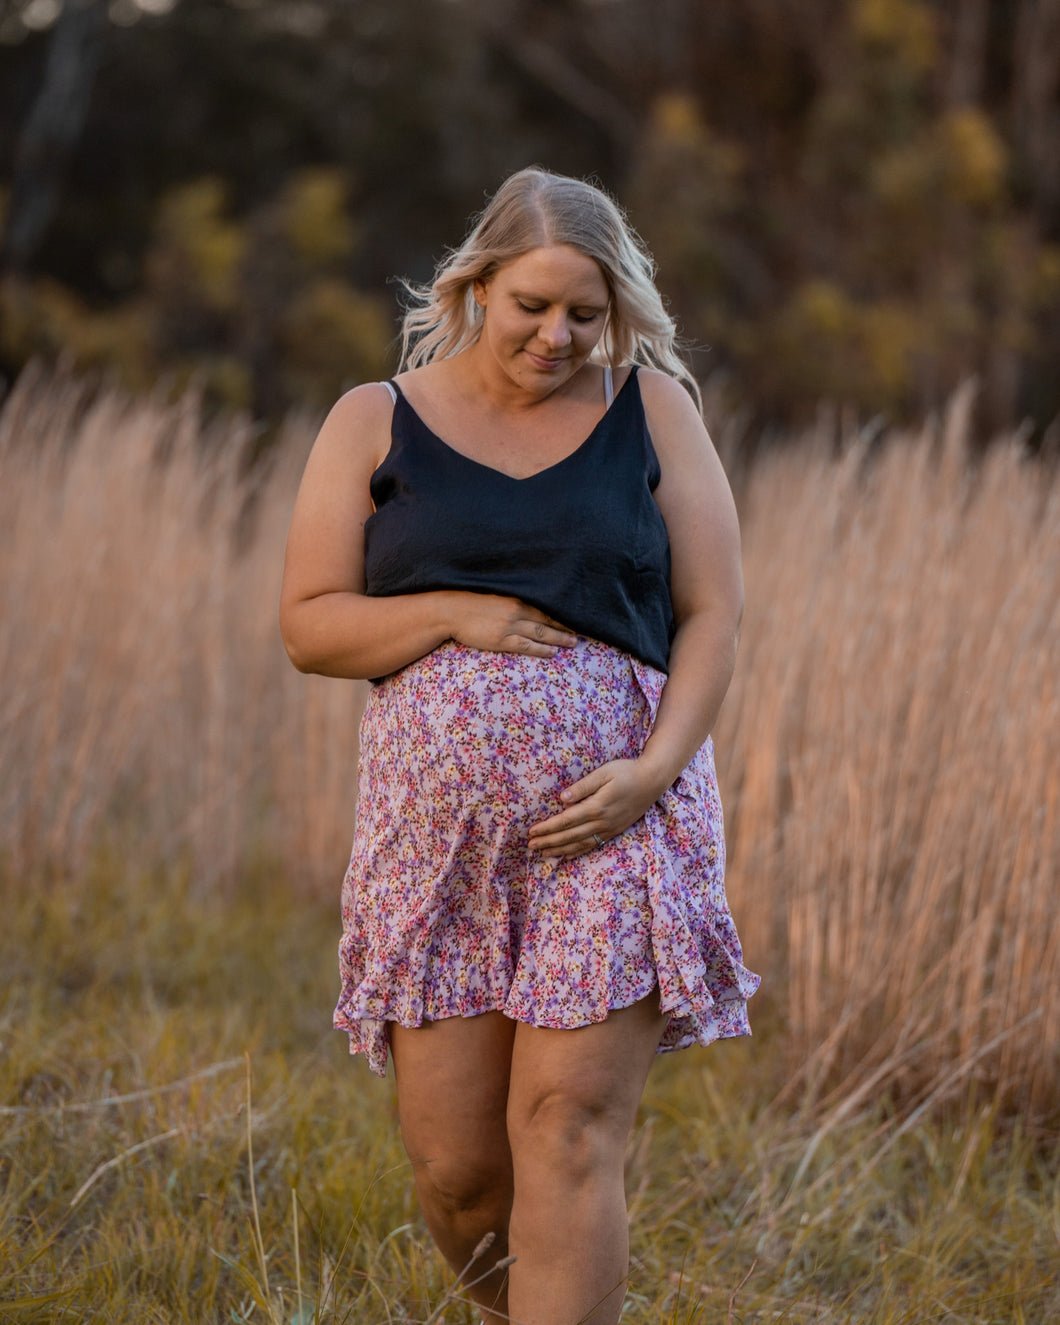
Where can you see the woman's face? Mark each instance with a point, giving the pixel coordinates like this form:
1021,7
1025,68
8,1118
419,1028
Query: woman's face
543,315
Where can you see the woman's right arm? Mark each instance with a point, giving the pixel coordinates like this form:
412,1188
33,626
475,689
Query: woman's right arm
329,624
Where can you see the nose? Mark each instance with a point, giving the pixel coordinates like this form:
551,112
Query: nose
554,329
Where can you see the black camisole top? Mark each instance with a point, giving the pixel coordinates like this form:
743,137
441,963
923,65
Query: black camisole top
582,540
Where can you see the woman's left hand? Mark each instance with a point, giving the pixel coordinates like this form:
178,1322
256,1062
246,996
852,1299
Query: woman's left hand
597,808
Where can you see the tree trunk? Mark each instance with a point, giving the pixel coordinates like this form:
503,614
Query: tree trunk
1036,101
968,46
51,130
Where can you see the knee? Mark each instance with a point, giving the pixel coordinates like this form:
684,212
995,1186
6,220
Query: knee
457,1191
575,1138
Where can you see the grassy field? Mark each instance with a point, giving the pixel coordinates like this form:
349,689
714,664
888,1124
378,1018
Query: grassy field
181,1136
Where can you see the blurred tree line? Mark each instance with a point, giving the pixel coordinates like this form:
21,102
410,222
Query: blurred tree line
851,199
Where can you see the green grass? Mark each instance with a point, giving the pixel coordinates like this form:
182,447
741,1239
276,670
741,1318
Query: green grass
192,1007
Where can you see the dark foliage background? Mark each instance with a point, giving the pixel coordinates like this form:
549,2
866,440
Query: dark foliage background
848,199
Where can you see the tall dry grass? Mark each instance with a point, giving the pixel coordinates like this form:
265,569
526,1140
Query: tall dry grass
888,753
892,755
145,693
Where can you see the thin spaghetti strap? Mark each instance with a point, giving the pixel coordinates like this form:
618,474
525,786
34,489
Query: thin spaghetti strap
392,389
609,386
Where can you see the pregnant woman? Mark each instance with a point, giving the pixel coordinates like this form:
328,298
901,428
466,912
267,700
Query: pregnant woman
526,540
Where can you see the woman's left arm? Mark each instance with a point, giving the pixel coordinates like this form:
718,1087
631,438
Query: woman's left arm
707,592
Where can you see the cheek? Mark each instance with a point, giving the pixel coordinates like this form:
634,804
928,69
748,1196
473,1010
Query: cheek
587,338
498,331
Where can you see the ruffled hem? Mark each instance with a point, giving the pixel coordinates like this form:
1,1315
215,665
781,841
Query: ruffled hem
368,1034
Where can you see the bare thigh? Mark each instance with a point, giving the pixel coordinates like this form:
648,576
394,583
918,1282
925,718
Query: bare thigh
595,1073
571,1105
452,1084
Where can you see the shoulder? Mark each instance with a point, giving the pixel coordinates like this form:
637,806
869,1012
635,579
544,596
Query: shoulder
672,416
370,403
664,393
428,375
356,431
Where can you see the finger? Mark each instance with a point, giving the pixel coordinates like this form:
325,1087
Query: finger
580,846
585,787
579,813
530,648
555,823
580,835
538,617
549,632
529,644
573,821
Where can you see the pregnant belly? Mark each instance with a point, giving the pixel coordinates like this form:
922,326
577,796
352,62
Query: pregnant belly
497,736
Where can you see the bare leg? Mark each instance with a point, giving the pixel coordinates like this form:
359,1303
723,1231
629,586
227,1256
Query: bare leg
572,1103
452,1081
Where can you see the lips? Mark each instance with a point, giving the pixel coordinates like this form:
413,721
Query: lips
547,364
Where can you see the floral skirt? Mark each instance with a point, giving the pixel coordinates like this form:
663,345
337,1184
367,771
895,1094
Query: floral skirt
447,913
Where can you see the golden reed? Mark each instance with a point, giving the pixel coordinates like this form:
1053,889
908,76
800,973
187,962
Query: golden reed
889,753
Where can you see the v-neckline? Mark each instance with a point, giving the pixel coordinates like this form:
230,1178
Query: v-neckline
500,473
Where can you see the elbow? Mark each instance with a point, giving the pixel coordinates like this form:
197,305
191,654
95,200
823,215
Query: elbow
309,656
293,641
300,663
299,660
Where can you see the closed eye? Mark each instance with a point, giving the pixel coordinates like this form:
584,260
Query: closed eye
578,315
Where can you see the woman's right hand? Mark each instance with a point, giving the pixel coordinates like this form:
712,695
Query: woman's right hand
498,624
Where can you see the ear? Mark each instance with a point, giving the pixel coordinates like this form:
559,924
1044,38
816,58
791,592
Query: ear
478,289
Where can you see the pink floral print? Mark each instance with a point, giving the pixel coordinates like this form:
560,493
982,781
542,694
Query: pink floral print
447,913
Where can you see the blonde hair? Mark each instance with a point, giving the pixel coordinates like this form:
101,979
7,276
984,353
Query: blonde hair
534,208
